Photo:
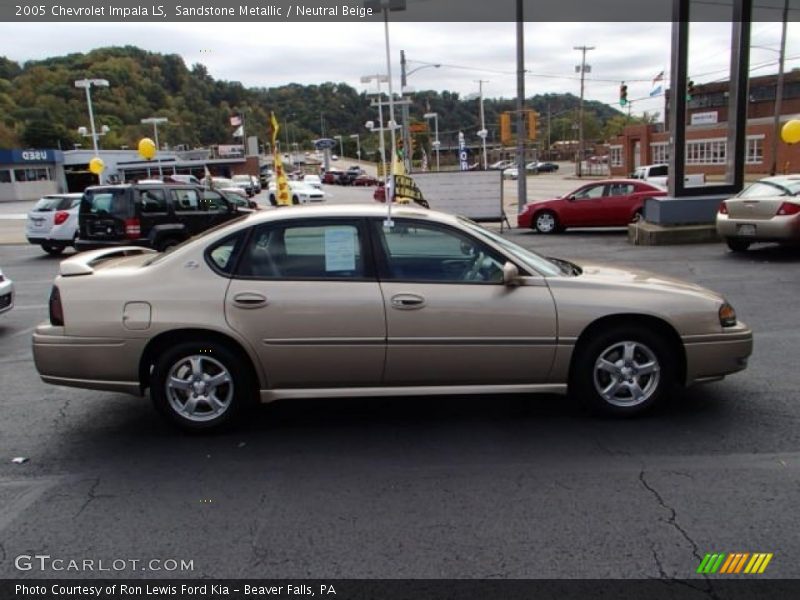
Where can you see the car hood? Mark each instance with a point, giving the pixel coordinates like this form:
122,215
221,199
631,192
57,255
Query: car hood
621,276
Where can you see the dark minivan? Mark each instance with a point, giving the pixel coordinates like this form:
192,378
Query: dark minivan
154,215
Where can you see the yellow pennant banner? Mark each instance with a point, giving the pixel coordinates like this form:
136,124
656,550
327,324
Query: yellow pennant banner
282,193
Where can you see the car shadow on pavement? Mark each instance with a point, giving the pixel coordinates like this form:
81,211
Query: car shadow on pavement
767,253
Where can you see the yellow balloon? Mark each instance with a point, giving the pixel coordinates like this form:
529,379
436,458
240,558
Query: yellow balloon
791,131
147,148
96,165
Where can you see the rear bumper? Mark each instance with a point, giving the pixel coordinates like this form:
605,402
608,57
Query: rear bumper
710,357
776,229
38,240
109,364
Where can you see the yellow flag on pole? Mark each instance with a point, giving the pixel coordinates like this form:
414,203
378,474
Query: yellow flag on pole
282,195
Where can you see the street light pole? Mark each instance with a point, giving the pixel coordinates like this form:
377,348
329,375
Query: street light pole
357,137
436,142
404,75
341,145
87,85
522,181
482,133
583,68
155,121
382,144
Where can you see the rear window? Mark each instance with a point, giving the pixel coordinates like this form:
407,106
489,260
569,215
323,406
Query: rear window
105,202
660,171
51,203
764,189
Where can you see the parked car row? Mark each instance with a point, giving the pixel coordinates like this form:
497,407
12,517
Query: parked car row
531,167
355,175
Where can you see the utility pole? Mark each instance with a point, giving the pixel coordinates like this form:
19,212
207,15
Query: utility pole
522,182
583,69
406,130
773,169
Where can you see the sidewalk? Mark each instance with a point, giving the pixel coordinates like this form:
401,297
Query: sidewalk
12,230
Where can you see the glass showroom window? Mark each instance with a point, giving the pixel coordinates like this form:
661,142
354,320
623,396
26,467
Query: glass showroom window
40,174
755,150
660,152
616,156
5,176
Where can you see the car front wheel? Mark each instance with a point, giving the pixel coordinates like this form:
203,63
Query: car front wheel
545,222
622,372
199,386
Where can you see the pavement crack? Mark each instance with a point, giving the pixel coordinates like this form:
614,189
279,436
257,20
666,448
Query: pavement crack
92,495
673,516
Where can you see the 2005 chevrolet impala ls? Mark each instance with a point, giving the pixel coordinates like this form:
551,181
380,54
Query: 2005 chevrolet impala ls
330,301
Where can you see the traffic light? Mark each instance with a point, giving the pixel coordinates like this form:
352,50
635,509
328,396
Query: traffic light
505,127
532,116
689,90
623,94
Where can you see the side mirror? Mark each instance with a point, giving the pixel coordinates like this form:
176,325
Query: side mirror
510,274
571,198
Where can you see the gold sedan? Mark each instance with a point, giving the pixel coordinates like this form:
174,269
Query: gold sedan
766,211
332,301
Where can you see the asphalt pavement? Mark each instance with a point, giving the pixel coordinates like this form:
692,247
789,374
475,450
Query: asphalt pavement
456,487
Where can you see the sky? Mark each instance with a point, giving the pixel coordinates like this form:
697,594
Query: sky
273,54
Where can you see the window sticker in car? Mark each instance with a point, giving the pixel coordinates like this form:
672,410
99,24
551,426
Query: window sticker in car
340,249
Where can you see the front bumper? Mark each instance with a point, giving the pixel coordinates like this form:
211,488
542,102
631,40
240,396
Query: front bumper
110,364
714,356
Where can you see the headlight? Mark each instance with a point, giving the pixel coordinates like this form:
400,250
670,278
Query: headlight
727,316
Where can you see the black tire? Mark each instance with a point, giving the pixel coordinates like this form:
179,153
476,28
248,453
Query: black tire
272,200
638,216
178,363
167,243
737,245
546,222
295,200
593,385
53,249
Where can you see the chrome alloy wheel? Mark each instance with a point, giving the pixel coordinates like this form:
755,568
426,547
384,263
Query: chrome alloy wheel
545,222
626,374
199,388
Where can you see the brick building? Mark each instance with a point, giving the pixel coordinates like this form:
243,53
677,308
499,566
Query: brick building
706,133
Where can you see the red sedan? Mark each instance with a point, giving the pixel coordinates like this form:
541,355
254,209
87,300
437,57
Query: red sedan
609,203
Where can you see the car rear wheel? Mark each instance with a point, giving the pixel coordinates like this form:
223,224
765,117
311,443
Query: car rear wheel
199,386
545,222
295,200
622,371
53,249
737,245
272,200
167,243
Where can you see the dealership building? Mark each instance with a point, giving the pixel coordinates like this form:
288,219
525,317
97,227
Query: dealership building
707,131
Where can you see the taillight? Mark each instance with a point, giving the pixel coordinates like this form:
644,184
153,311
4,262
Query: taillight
132,228
789,208
60,217
723,208
56,310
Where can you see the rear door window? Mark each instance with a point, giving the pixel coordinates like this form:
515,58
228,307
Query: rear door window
153,201
185,200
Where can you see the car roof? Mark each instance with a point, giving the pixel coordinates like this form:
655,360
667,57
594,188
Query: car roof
350,210
68,195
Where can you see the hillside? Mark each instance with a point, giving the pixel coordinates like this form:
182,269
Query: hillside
40,106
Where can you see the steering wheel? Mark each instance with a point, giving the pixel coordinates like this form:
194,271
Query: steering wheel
474,273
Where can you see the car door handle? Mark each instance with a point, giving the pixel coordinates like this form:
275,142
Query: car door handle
407,301
250,300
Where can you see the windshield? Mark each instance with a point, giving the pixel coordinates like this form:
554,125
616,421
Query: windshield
540,264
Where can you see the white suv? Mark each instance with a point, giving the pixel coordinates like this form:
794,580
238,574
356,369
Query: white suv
53,222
